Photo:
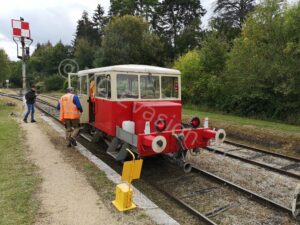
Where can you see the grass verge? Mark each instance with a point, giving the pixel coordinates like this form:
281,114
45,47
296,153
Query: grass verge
18,179
243,121
273,136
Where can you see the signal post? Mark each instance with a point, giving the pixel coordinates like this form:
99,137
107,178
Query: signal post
22,36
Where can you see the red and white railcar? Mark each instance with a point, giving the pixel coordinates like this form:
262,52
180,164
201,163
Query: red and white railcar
139,107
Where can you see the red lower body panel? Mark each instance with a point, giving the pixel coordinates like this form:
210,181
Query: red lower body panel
166,142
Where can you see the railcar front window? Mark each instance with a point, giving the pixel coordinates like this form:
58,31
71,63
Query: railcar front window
75,83
149,87
127,86
103,89
83,85
169,87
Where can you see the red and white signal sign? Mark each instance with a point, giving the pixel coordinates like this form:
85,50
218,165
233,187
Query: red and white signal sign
20,28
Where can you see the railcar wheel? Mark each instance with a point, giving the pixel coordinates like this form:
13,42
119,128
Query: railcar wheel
187,167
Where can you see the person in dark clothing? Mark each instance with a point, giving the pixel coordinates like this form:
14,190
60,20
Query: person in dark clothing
30,100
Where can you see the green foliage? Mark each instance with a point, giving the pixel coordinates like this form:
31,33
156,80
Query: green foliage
178,23
46,58
202,72
84,54
262,69
88,30
15,78
40,86
54,83
230,16
189,65
145,8
127,40
99,21
5,69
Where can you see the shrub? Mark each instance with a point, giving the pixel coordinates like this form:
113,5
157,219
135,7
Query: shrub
54,83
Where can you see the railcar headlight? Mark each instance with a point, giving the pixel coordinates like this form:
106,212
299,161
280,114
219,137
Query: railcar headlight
195,122
160,125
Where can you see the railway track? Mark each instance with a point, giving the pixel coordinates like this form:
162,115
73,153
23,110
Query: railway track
214,183
282,164
202,186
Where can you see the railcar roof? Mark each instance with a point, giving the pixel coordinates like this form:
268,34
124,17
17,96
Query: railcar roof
131,68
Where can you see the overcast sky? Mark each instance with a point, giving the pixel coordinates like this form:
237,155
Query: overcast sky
55,20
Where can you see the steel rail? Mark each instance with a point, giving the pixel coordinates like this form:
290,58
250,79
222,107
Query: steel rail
266,166
250,194
263,151
49,96
196,213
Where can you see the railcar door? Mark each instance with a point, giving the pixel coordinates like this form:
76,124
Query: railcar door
84,98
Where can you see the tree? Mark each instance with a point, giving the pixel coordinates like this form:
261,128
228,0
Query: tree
46,59
262,72
179,22
202,72
5,69
86,30
189,66
144,8
99,21
230,16
128,40
84,53
122,7
16,74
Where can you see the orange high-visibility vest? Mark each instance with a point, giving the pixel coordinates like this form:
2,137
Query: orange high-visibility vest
68,110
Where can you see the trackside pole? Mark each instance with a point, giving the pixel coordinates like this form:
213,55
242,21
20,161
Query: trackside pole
23,65
23,74
21,34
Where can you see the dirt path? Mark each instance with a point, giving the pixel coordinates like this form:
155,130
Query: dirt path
65,195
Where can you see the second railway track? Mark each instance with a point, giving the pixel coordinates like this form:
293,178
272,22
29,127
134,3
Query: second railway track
282,164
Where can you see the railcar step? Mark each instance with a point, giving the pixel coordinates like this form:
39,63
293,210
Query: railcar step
87,137
118,154
113,154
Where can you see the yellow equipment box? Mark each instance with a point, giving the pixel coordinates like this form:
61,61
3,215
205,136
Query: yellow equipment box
123,200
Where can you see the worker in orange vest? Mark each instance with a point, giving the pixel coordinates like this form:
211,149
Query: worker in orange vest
70,112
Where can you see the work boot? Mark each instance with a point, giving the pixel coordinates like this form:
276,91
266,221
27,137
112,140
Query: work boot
25,121
33,121
73,141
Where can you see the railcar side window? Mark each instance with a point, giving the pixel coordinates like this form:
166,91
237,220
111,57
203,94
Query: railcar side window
127,86
169,87
103,89
83,88
149,87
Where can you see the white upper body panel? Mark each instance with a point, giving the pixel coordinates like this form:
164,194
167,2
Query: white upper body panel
131,68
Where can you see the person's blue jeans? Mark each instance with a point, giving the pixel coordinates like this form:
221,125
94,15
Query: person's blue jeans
30,109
